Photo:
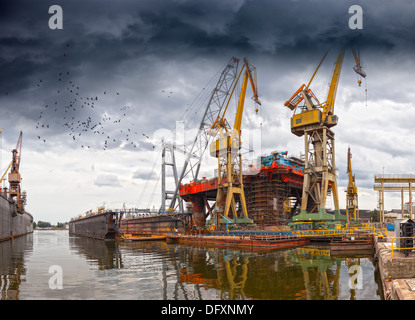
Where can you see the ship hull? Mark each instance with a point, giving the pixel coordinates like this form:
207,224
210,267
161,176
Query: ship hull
100,226
12,223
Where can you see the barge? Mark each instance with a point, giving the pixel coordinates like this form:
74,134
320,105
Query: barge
108,224
101,225
251,241
353,243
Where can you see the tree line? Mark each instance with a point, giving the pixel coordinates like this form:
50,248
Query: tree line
44,224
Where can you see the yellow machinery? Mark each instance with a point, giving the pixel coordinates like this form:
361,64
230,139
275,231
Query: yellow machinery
5,172
226,149
314,121
352,208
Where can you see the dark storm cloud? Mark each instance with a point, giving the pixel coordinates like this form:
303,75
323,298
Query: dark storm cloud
129,45
104,35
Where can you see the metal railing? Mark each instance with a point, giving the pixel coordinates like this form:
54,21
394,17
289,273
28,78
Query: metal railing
340,232
229,236
410,248
394,176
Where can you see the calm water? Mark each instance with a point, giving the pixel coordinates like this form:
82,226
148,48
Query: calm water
95,269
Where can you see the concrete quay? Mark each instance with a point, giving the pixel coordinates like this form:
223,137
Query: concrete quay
397,274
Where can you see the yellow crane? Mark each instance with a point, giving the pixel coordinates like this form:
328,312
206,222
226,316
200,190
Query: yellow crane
226,149
315,114
352,207
5,172
314,121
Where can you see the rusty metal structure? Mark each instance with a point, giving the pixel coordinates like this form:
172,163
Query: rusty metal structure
14,219
15,178
274,194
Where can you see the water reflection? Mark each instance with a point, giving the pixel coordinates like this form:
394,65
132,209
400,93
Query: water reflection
96,269
104,254
12,265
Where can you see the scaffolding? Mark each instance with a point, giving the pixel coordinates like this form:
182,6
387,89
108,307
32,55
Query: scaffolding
272,198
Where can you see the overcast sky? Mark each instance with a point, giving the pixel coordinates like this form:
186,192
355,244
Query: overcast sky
95,99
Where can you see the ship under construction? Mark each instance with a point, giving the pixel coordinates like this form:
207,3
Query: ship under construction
272,189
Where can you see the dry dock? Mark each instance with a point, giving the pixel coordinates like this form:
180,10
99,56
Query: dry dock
396,271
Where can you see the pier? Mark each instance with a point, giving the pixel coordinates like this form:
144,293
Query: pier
396,270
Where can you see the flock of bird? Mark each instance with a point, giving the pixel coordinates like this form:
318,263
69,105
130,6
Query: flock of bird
82,116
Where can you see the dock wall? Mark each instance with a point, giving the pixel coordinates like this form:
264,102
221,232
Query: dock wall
397,274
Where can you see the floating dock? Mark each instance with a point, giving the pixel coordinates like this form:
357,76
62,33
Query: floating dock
102,225
154,224
353,243
13,223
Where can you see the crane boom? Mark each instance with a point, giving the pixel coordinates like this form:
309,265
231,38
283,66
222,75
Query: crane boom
358,67
331,97
250,73
5,172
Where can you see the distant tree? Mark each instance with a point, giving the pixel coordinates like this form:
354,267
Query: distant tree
34,225
374,215
43,224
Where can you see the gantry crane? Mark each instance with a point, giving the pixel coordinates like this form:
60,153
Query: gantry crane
226,149
195,153
314,121
15,178
352,208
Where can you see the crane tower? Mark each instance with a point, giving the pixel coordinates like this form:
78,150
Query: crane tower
352,211
314,121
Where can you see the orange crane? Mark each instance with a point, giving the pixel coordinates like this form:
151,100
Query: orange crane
15,177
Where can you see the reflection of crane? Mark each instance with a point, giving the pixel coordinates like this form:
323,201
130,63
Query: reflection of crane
351,192
314,122
15,178
226,149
